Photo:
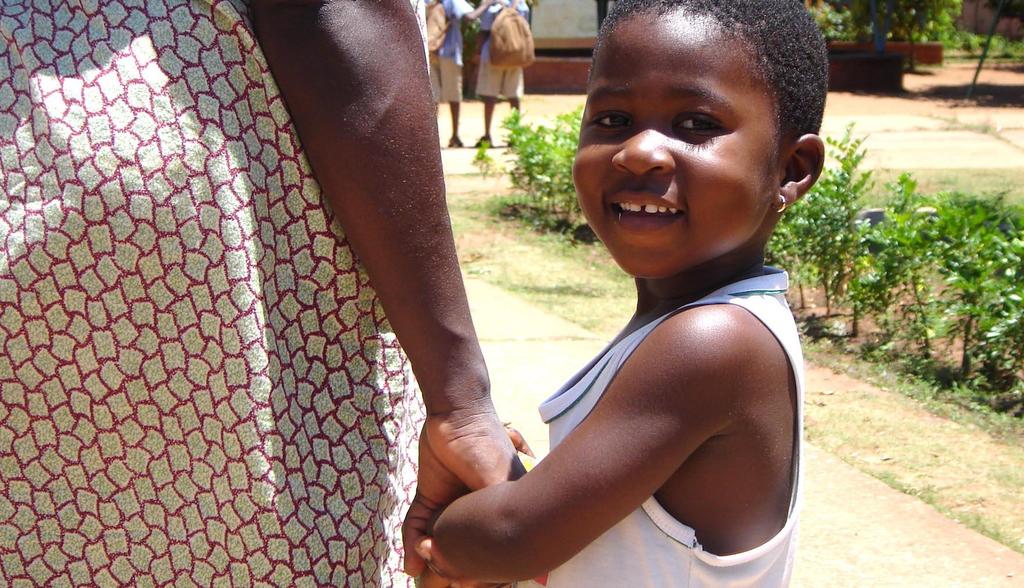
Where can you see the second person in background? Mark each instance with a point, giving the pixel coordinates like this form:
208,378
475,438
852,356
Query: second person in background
495,82
446,63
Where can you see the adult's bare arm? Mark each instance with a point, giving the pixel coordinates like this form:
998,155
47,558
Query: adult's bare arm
354,78
353,74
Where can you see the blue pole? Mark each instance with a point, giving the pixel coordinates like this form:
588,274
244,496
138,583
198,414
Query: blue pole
879,39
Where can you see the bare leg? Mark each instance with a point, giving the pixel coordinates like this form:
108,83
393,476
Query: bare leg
489,102
454,106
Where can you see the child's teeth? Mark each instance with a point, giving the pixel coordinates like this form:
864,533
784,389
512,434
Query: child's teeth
648,208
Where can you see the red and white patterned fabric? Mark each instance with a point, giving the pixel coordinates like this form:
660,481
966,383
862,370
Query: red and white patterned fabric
197,383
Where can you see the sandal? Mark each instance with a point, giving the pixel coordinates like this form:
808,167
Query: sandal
455,142
482,140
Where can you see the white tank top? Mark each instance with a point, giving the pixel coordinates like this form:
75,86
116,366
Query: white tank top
649,547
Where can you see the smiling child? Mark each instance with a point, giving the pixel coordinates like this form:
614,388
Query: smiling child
676,452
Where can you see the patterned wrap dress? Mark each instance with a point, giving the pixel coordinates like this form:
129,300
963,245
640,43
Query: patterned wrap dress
197,383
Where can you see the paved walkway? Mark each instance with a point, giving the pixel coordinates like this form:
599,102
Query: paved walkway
855,530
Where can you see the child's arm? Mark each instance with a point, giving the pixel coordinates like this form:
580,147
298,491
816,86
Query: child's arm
474,14
685,384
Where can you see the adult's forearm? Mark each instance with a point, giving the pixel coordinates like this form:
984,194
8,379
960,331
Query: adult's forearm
353,76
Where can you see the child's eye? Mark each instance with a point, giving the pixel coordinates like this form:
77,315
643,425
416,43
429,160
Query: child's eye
698,123
612,120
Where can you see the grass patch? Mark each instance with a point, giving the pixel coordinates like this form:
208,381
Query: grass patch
965,462
579,283
969,181
923,442
948,404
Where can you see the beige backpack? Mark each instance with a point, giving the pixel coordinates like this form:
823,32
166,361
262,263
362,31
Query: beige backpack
437,25
511,40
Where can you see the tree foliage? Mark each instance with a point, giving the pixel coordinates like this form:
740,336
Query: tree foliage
911,20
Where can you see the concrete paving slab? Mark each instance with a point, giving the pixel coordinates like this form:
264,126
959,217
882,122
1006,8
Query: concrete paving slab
510,319
999,119
1015,136
460,161
529,353
939,150
856,531
833,126
525,373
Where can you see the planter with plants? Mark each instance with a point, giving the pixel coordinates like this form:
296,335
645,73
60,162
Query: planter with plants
869,39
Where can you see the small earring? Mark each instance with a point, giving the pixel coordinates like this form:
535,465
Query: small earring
783,203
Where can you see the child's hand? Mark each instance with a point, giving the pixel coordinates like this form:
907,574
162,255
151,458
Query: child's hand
518,441
433,578
430,579
458,452
438,570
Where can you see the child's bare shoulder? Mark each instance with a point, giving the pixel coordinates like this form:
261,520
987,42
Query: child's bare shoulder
718,350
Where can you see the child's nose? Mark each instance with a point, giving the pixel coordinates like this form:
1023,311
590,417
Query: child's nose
644,153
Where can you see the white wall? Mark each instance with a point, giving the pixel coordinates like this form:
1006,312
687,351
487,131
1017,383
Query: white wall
977,17
565,23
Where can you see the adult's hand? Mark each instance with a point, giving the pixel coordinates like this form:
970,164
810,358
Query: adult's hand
462,450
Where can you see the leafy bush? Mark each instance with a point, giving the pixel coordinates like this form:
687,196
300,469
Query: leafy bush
946,268
836,22
974,44
818,237
924,20
939,273
978,255
895,264
541,169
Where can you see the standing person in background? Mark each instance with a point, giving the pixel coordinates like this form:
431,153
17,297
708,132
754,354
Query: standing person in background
201,374
493,82
446,63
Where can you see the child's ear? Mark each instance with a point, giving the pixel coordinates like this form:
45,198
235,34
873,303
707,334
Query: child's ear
803,161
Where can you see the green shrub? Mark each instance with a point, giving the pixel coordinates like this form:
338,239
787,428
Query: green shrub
895,269
541,169
836,22
974,43
946,269
817,237
978,255
938,273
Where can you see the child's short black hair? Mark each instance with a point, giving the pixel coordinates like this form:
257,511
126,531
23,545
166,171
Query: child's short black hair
787,48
